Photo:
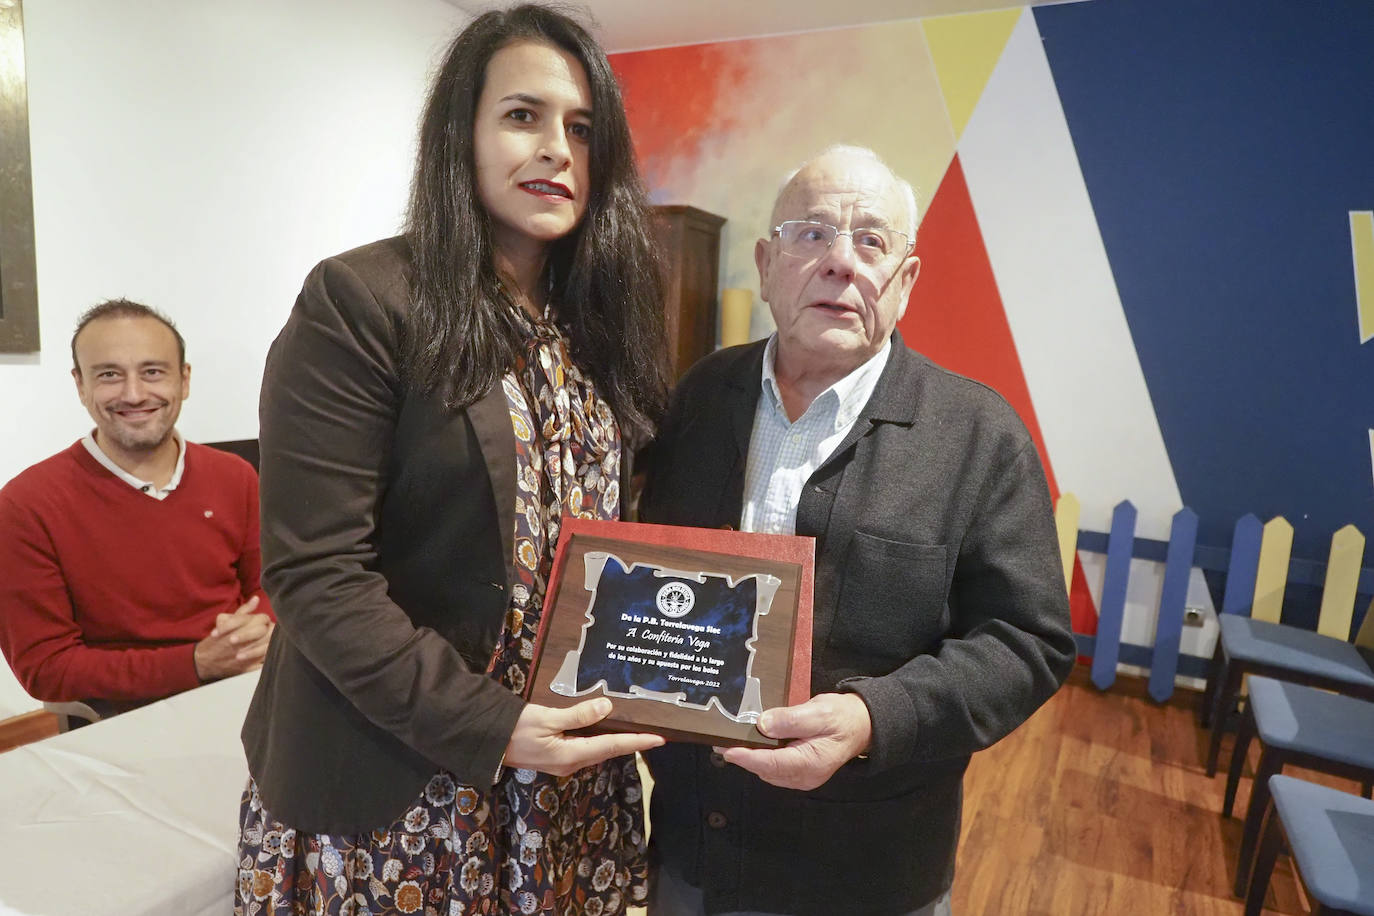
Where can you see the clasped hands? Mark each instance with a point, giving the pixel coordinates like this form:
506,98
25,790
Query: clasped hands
822,734
238,643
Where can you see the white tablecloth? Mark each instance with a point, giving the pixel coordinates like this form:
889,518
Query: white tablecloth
132,815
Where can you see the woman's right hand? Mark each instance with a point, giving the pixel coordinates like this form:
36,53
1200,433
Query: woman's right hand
539,742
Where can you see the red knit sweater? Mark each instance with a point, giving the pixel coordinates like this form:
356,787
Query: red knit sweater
104,591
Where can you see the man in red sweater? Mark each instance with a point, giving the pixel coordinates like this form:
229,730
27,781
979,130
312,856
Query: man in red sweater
129,562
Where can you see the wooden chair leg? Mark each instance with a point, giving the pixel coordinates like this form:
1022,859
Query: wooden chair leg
1228,687
1243,738
1269,764
1263,866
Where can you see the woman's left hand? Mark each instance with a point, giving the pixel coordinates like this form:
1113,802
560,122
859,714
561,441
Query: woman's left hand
539,741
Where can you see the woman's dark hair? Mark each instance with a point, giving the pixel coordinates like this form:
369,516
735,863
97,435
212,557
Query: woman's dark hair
460,337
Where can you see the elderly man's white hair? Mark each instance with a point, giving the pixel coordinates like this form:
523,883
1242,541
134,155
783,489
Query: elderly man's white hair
861,152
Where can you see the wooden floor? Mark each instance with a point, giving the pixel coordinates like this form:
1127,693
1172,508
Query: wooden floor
1099,804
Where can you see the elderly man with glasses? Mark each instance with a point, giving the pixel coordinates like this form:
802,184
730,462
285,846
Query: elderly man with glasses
940,620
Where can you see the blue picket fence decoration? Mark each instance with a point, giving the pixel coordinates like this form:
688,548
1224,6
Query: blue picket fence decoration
1180,555
1178,568
1244,565
1107,646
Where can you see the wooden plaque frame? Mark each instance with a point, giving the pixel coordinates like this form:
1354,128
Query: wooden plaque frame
782,649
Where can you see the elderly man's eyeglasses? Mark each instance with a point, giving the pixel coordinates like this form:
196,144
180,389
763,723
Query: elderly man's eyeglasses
807,239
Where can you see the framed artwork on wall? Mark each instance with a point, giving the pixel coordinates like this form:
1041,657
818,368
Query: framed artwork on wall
18,272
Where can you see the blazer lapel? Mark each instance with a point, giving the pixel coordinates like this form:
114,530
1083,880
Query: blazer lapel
891,401
490,419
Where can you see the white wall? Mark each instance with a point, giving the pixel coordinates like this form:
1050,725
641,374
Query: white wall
200,157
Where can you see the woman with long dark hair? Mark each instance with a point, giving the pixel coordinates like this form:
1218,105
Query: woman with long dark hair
434,407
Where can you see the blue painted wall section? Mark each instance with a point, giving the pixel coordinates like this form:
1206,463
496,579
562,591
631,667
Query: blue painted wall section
1223,145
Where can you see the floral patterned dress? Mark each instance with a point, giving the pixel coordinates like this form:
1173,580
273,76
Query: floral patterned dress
531,843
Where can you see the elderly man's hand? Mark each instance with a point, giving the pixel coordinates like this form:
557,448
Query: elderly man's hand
825,732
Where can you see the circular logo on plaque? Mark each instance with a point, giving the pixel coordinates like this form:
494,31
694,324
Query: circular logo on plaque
675,599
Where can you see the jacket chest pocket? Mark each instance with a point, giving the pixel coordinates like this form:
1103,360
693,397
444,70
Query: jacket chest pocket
892,603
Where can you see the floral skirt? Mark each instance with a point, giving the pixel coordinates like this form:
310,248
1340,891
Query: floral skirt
532,843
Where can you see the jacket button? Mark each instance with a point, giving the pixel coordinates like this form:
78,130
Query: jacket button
717,760
715,820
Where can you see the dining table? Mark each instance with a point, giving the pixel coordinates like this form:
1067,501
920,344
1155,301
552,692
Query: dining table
134,815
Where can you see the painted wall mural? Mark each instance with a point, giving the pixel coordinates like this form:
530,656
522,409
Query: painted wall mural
1143,222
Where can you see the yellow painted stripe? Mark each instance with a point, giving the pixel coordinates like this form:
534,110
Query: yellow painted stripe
1275,549
1066,521
1362,252
1342,580
965,49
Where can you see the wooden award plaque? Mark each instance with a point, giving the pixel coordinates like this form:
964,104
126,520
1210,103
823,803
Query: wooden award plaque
690,632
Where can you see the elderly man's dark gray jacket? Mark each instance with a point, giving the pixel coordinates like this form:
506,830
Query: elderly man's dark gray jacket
939,600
